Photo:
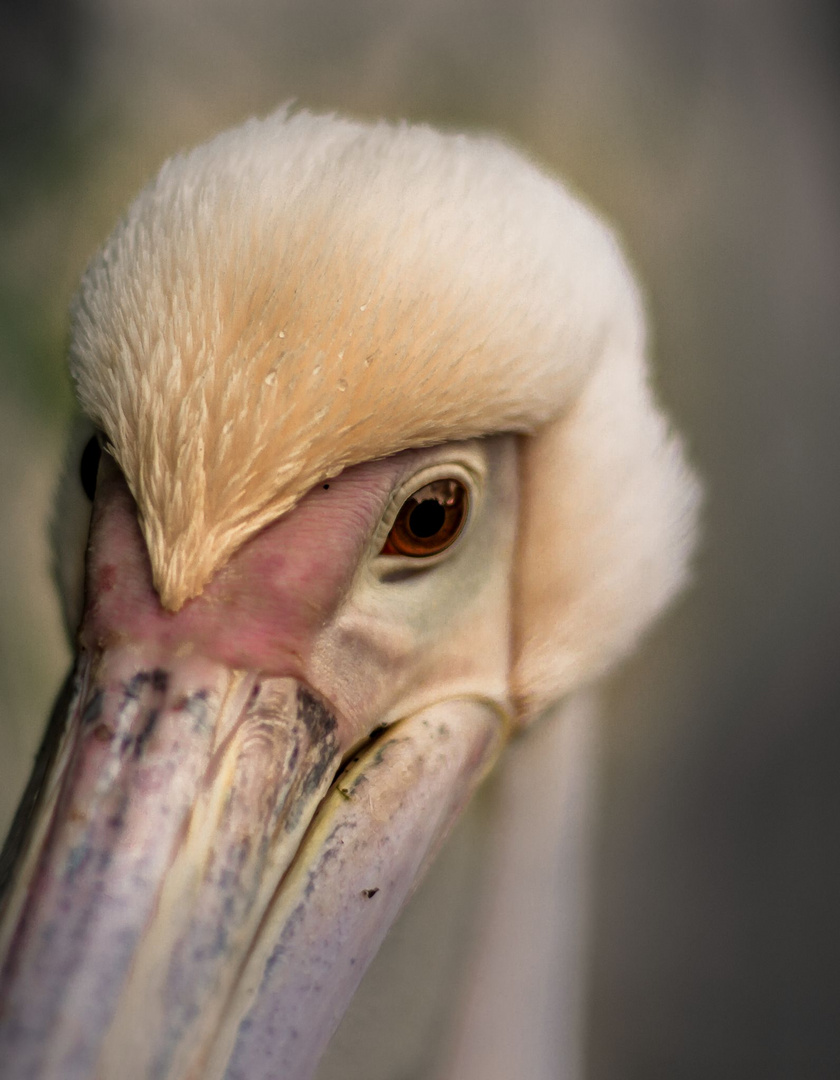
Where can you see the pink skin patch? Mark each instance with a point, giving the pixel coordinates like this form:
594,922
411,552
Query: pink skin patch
263,609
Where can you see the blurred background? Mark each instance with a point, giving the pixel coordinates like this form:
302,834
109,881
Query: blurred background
707,132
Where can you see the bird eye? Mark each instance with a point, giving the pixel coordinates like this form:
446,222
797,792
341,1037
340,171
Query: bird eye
89,466
429,520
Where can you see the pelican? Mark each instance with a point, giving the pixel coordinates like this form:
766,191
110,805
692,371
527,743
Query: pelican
369,478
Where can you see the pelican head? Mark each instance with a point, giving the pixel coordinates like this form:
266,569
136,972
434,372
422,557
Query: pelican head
375,477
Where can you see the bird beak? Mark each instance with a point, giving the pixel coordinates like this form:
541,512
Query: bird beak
211,851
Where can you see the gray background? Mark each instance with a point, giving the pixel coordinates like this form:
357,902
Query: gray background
707,131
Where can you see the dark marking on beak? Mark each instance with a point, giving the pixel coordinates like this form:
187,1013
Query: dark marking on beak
321,727
93,709
320,722
144,735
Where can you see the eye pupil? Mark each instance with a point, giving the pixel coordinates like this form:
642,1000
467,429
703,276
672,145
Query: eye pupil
427,518
430,520
89,466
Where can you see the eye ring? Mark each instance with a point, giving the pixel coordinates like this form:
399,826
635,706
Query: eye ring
430,520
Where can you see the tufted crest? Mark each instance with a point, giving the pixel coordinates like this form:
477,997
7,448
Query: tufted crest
305,292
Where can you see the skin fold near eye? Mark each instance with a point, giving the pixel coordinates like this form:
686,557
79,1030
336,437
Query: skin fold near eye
430,520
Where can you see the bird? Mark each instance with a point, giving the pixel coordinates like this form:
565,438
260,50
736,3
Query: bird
368,477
